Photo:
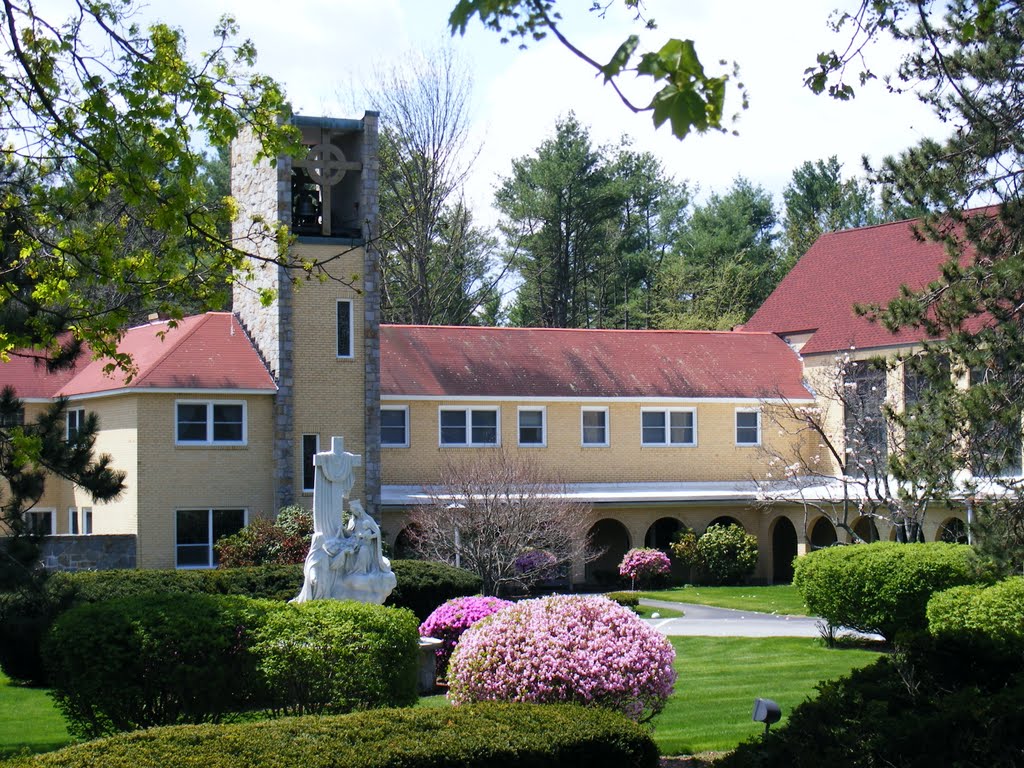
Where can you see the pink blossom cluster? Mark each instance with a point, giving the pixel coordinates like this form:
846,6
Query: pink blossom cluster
587,650
451,619
535,561
643,563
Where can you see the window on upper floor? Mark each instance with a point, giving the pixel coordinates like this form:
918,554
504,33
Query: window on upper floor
748,426
394,426
197,530
210,422
468,426
74,420
345,345
72,520
532,427
40,522
671,426
86,521
995,446
310,447
866,429
595,427
13,418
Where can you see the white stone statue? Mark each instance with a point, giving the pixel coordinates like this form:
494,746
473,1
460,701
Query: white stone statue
345,562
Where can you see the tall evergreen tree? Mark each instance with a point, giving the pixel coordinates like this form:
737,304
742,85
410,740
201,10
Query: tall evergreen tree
560,209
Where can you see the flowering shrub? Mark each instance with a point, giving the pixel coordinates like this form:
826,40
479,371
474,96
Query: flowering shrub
450,620
261,542
643,563
579,649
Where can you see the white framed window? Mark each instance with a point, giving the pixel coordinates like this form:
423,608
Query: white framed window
74,419
345,330
668,426
394,426
197,530
87,521
477,426
594,427
210,422
533,428
310,447
41,522
748,426
72,520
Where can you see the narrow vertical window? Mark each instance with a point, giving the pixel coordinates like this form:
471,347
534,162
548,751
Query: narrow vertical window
310,447
595,427
344,328
748,427
75,419
72,521
87,520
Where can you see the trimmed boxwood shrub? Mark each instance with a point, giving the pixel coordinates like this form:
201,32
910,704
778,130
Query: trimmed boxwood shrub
333,657
992,616
157,660
882,587
625,599
27,614
423,585
480,736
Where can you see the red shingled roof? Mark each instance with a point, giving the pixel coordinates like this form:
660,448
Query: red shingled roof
209,351
841,269
548,362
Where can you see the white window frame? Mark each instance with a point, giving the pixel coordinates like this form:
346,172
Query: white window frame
543,425
210,404
209,534
468,434
351,330
736,427
79,417
52,512
667,434
87,522
302,457
607,426
73,520
404,409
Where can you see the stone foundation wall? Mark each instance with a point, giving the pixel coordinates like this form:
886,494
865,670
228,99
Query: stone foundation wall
94,552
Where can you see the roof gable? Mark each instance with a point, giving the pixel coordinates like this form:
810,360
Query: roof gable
447,361
844,269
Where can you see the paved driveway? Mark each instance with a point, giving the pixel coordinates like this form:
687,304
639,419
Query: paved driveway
726,622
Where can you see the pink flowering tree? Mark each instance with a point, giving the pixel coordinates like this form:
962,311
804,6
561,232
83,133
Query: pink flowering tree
451,619
582,649
643,564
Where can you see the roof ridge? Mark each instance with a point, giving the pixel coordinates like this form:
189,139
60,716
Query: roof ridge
203,319
693,331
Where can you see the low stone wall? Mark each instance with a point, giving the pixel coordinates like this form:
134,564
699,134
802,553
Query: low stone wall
89,552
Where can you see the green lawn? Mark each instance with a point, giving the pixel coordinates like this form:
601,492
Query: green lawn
719,678
645,611
782,599
28,720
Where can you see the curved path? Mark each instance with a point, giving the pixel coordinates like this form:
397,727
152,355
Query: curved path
726,622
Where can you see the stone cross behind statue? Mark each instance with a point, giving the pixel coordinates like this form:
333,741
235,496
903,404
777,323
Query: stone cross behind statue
345,562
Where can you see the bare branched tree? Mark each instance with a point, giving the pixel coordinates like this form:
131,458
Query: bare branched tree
437,266
847,456
497,515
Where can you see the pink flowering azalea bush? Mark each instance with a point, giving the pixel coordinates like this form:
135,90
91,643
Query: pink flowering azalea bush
642,564
586,650
451,619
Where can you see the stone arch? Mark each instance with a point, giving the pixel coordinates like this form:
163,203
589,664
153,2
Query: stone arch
865,528
611,538
660,532
725,520
953,530
823,534
402,549
784,550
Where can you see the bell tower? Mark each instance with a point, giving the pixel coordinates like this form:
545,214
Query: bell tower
319,333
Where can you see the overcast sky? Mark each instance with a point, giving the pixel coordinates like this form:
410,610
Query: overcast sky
322,50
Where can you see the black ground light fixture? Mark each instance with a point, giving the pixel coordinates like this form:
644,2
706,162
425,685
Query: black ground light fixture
766,711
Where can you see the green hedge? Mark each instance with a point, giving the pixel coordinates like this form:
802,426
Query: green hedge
27,614
625,599
480,736
423,585
992,616
882,587
162,659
